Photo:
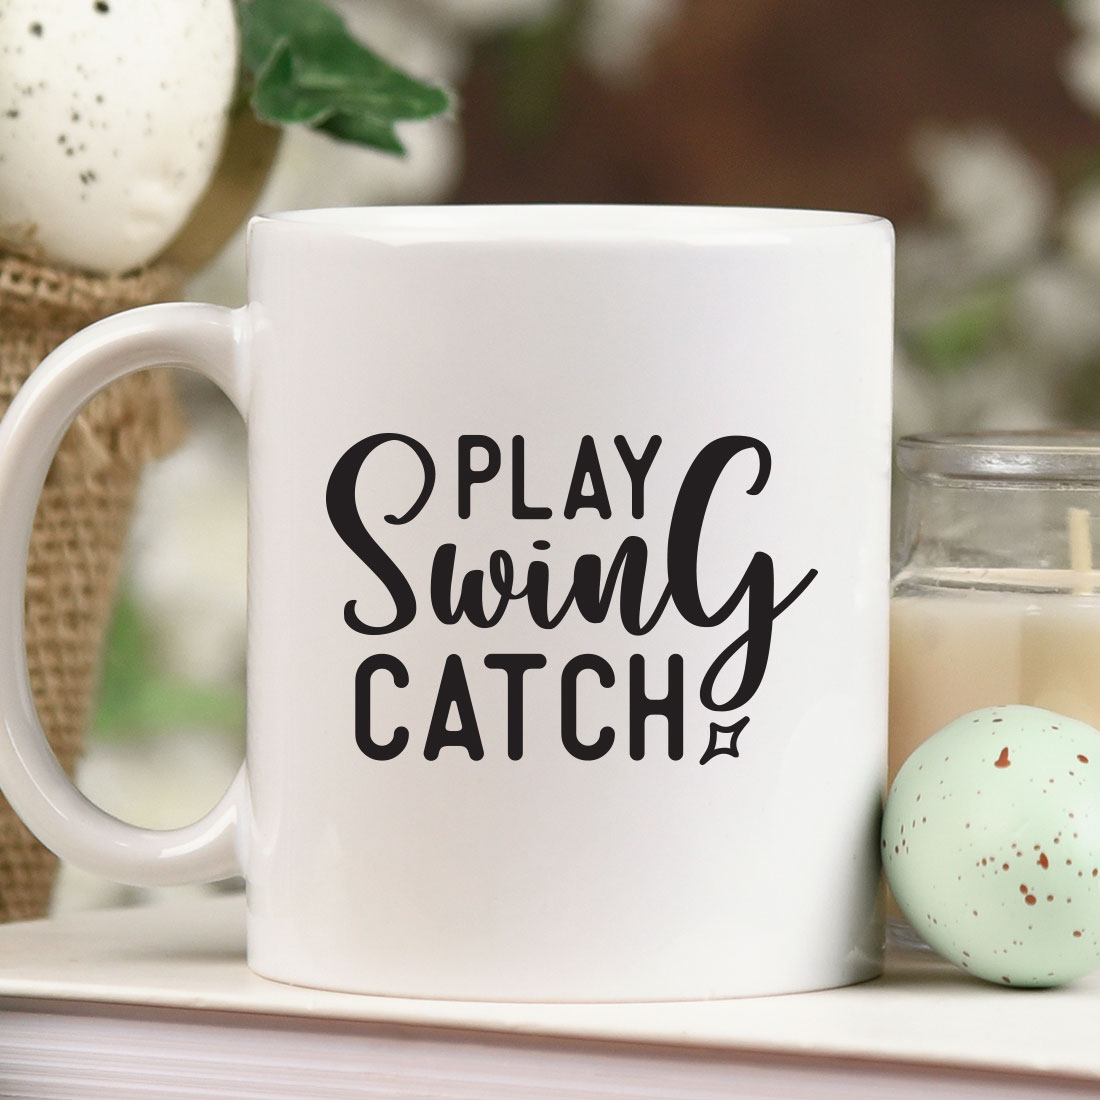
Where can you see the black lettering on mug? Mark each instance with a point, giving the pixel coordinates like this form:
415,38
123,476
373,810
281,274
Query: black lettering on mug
514,666
364,736
454,694
636,469
596,591
344,515
670,707
583,662
468,475
520,509
587,471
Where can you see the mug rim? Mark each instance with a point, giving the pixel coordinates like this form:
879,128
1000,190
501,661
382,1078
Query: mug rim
617,222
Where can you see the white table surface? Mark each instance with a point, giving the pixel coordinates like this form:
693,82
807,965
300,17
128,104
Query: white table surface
191,956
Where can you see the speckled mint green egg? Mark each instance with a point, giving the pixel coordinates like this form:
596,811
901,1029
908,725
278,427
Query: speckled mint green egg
991,844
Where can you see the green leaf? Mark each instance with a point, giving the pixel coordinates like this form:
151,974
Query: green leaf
136,698
265,22
954,340
533,62
1079,396
308,70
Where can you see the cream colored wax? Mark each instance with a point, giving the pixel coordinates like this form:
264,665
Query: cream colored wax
954,650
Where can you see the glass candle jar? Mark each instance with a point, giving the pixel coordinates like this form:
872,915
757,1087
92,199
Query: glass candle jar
994,598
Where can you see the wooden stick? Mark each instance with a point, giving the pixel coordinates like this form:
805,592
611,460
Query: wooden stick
1080,549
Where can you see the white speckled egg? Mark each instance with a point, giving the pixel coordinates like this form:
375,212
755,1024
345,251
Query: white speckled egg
112,114
991,844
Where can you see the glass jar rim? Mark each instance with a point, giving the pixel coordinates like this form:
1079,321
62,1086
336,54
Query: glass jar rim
1064,455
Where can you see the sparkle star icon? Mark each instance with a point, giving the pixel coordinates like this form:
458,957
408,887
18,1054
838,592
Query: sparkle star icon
715,749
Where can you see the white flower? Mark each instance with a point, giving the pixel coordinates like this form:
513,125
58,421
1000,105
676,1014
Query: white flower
995,394
1081,229
989,193
1081,70
617,34
1003,392
1085,13
1055,312
915,405
1081,64
934,267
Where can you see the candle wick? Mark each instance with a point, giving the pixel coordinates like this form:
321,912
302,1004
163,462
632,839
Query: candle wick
1080,549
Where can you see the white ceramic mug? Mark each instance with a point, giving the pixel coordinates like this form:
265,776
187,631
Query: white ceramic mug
567,597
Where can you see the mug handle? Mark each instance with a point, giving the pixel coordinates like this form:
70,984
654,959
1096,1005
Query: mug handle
211,340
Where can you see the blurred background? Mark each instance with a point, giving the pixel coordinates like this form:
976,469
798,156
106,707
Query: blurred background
972,126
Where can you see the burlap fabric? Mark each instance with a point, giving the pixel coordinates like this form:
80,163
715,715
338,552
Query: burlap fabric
81,525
